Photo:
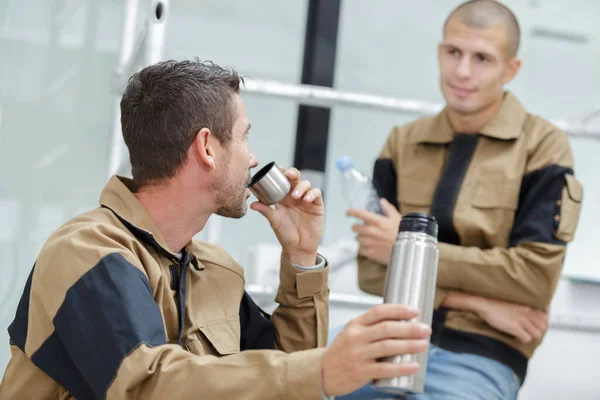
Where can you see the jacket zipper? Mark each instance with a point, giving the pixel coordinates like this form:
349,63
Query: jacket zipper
181,286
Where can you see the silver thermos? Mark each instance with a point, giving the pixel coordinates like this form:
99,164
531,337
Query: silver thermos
411,280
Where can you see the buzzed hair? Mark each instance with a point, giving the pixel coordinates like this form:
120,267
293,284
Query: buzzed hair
480,14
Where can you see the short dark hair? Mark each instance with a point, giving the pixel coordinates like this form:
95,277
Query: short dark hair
482,13
163,108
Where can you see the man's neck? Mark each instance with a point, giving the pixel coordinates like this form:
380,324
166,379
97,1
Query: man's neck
175,212
473,123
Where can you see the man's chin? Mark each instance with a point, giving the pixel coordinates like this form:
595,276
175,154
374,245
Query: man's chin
236,213
463,107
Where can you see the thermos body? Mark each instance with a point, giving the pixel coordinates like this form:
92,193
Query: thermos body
411,280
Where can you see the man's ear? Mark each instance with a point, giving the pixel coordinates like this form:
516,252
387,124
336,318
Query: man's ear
514,65
203,147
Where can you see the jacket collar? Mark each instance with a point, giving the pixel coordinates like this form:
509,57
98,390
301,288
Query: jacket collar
118,197
507,124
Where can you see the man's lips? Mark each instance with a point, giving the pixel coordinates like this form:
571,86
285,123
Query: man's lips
460,91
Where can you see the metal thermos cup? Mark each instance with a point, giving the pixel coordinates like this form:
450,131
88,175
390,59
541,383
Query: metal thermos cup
269,185
411,280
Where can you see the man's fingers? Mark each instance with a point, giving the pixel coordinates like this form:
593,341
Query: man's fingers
314,196
367,230
365,243
540,320
531,328
521,334
388,208
394,347
397,330
292,174
364,250
300,189
367,217
383,312
381,370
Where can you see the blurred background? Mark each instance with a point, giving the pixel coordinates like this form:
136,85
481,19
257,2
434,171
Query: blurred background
57,110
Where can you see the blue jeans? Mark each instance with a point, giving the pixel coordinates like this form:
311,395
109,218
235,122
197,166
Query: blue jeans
453,376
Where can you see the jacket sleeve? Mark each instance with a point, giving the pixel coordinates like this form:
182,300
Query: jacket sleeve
300,321
99,333
302,318
545,221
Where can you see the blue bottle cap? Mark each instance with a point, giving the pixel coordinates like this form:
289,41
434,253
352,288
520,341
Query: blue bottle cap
344,163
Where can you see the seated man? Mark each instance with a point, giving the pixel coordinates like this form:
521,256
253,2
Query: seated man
500,183
123,304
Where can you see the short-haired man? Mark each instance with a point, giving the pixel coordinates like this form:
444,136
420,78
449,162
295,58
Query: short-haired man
123,304
500,183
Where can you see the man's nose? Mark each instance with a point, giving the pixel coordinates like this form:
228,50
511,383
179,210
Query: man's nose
253,160
464,68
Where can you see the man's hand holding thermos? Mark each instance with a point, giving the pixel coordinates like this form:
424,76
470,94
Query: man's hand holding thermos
351,360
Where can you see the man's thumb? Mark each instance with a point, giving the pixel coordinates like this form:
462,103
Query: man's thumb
265,210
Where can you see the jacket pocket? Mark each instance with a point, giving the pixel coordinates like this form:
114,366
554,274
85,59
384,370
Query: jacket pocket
569,209
219,337
496,196
491,214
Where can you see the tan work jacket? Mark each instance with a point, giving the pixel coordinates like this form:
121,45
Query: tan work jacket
507,203
109,312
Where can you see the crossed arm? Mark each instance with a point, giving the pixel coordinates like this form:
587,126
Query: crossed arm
376,238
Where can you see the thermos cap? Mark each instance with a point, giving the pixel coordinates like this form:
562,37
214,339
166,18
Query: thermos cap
419,223
269,185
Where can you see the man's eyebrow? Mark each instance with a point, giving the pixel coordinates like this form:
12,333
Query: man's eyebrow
248,128
449,45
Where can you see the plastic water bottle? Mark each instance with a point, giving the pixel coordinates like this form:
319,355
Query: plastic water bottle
357,188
